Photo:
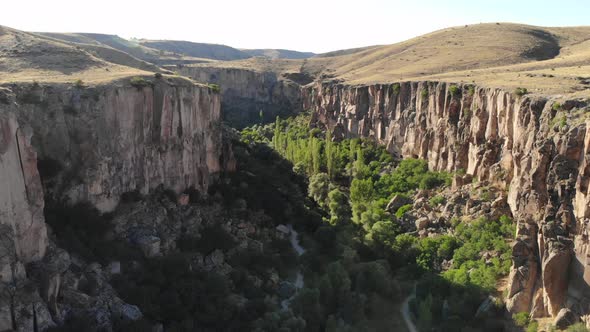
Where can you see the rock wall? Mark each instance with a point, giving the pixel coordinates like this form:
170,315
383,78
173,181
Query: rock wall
95,144
62,142
21,198
248,93
516,143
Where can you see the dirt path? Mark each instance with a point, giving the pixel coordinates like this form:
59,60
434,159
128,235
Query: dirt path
405,310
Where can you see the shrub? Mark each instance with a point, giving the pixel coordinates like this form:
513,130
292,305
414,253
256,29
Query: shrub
454,91
79,84
139,82
424,93
579,327
402,210
521,319
471,90
432,180
395,88
521,91
436,200
214,87
533,326
562,122
158,75
556,106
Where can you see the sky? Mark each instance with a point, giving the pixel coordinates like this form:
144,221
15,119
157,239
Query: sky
303,25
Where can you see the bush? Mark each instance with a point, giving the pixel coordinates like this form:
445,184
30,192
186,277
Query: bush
432,180
214,87
79,84
454,91
158,75
556,106
579,327
471,90
521,319
436,200
139,82
424,93
402,210
533,326
395,88
521,91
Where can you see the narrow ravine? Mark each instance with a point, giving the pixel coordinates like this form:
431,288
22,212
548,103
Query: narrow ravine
294,240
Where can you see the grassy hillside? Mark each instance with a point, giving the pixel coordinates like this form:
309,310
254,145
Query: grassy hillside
544,60
26,57
198,50
279,54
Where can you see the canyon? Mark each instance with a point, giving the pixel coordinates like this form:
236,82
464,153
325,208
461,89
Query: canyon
490,134
126,131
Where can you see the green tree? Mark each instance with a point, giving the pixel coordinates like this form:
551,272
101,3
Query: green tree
329,151
338,206
361,195
319,186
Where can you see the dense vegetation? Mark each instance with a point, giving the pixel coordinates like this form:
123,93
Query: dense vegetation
352,180
358,266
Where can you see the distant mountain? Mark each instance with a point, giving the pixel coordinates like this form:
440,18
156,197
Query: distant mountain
197,50
278,53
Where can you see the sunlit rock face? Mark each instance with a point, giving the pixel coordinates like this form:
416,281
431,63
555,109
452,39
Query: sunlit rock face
95,144
513,142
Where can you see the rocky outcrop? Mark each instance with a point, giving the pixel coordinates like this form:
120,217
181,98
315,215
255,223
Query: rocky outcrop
513,142
251,96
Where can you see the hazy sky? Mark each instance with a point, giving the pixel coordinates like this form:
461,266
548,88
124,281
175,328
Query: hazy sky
304,25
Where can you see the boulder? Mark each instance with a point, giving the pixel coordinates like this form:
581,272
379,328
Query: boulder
149,245
422,223
183,199
127,312
396,202
565,317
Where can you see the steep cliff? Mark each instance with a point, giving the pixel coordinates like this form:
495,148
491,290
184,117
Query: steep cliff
95,144
249,96
533,148
71,144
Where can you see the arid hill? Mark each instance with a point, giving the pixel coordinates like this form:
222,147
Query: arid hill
543,60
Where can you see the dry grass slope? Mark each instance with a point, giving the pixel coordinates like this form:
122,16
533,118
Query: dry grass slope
544,60
26,57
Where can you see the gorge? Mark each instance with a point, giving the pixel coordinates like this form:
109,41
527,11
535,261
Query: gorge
138,197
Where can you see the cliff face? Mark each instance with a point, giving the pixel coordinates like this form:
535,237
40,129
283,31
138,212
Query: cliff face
513,142
23,236
98,143
61,142
248,93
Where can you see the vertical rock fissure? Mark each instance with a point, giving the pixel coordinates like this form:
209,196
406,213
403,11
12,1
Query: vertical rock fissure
20,160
